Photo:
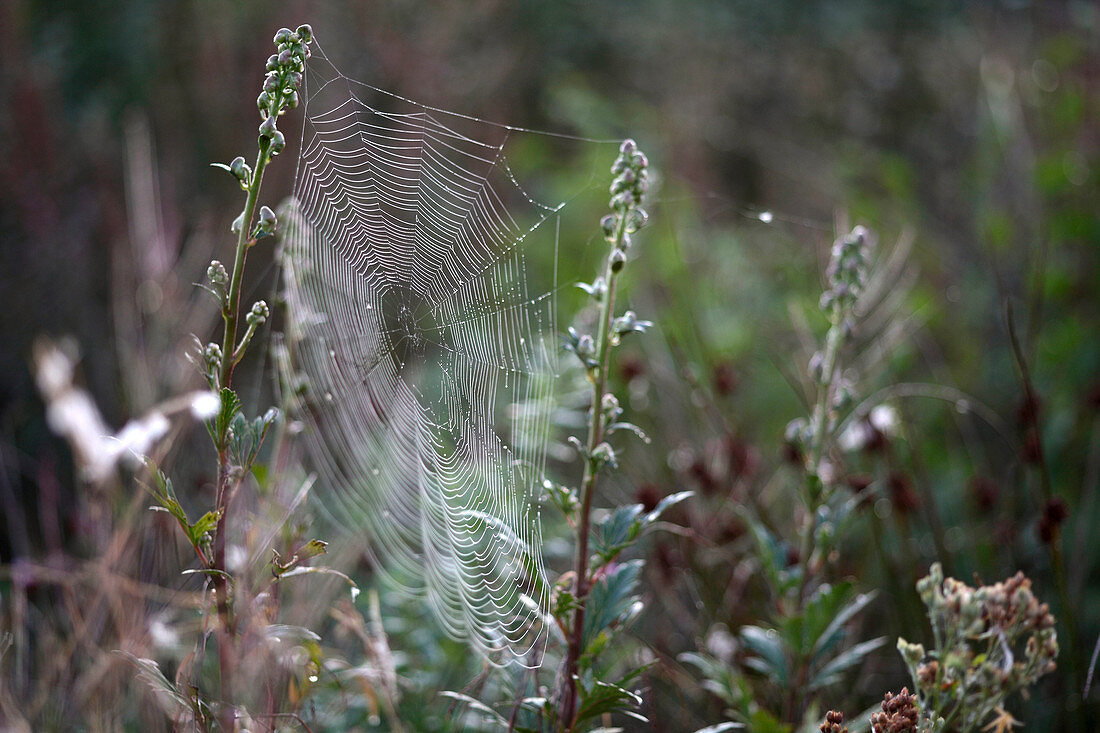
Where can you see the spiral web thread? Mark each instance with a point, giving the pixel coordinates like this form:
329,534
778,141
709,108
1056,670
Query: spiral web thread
411,319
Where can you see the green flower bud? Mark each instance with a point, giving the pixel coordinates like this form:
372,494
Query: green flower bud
212,357
638,219
285,57
267,129
586,347
282,35
291,100
278,142
216,273
609,224
305,33
271,83
272,62
258,314
265,226
263,103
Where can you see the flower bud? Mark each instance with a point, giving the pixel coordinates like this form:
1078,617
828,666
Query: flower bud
258,314
263,103
638,219
212,357
271,82
282,35
816,368
627,148
278,142
272,62
267,221
291,100
586,347
608,224
216,273
621,201
285,56
305,33
267,129
617,260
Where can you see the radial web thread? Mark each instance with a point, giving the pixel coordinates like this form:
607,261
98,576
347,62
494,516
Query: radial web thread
411,318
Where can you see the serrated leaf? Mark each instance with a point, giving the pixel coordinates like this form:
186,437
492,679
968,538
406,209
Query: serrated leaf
203,525
230,407
616,531
313,548
610,599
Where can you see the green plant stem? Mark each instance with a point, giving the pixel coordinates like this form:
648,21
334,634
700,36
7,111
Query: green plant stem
815,496
815,488
231,314
568,684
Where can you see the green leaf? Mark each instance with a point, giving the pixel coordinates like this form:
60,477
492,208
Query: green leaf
667,503
761,721
610,599
772,660
830,673
203,525
288,632
230,407
477,706
603,698
322,571
174,705
628,426
834,631
616,531
313,548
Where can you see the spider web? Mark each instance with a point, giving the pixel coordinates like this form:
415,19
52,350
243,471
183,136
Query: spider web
411,316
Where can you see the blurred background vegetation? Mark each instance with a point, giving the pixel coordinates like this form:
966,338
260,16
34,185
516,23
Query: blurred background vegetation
965,134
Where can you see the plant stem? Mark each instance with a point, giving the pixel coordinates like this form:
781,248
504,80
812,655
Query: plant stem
231,314
815,487
567,695
815,494
1057,560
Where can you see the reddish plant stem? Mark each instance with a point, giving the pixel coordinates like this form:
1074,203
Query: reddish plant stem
567,687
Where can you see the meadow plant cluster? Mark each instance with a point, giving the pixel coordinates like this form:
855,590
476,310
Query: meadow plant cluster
778,665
